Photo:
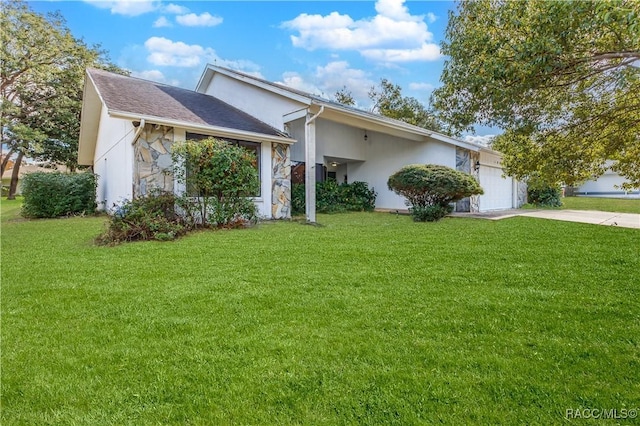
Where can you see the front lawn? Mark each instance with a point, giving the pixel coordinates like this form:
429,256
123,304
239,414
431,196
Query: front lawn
621,205
368,319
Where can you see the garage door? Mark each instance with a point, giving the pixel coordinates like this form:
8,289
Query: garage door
498,191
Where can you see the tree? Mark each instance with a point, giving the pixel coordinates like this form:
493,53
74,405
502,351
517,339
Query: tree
388,101
41,80
431,189
344,97
220,179
561,78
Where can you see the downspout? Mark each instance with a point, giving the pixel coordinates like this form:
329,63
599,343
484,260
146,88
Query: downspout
138,131
136,135
310,166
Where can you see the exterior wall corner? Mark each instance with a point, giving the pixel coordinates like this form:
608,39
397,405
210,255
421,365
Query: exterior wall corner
280,181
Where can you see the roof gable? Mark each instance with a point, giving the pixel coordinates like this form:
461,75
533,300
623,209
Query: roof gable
339,112
137,97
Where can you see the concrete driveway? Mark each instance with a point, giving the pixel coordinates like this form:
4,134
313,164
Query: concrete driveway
625,220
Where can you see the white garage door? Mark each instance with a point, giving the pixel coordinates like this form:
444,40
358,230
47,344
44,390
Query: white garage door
498,191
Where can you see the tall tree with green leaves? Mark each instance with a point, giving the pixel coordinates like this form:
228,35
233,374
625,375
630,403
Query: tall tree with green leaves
388,101
562,79
42,70
343,96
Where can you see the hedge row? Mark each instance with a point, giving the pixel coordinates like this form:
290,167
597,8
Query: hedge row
58,194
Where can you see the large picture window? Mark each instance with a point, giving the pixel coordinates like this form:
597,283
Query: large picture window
249,146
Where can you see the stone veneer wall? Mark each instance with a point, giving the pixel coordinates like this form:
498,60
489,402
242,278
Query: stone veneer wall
152,160
474,200
463,164
280,181
522,194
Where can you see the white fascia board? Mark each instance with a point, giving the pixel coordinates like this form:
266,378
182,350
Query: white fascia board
92,103
218,131
205,79
258,83
490,150
457,142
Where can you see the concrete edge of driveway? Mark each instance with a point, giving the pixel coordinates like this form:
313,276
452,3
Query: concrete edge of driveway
594,217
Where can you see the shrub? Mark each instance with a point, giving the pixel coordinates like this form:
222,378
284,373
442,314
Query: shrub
542,193
332,197
430,213
297,198
430,189
150,217
220,179
56,194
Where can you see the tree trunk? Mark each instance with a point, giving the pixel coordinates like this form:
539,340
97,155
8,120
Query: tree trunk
5,161
14,177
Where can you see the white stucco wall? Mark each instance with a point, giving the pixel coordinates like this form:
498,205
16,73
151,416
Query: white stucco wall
113,161
387,154
266,106
607,184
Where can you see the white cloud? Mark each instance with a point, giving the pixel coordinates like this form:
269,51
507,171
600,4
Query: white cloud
431,17
162,22
482,140
426,52
296,81
165,52
202,20
326,80
393,35
126,7
175,9
421,86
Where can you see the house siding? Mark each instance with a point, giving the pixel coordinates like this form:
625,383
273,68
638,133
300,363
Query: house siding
266,106
113,161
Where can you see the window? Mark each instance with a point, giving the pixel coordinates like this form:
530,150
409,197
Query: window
249,146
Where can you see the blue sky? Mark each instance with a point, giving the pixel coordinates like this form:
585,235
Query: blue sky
316,46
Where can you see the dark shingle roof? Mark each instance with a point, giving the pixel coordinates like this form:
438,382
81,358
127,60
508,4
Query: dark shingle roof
142,97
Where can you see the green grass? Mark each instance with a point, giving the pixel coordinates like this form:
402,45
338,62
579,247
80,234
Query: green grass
621,205
368,319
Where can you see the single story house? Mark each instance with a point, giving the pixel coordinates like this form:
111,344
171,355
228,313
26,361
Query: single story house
607,185
128,126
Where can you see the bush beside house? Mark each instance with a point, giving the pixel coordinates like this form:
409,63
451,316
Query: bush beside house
48,195
431,189
332,197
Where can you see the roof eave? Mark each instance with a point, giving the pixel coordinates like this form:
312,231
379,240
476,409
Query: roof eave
206,79
218,131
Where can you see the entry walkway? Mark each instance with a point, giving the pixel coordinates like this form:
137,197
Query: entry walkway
625,220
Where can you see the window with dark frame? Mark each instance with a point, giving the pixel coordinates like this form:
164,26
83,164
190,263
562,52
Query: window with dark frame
249,146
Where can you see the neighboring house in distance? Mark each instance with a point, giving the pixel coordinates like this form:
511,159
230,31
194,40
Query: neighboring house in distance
607,185
128,126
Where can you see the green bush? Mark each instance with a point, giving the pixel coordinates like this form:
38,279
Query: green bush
150,217
297,198
429,213
220,179
58,194
332,197
430,189
542,193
